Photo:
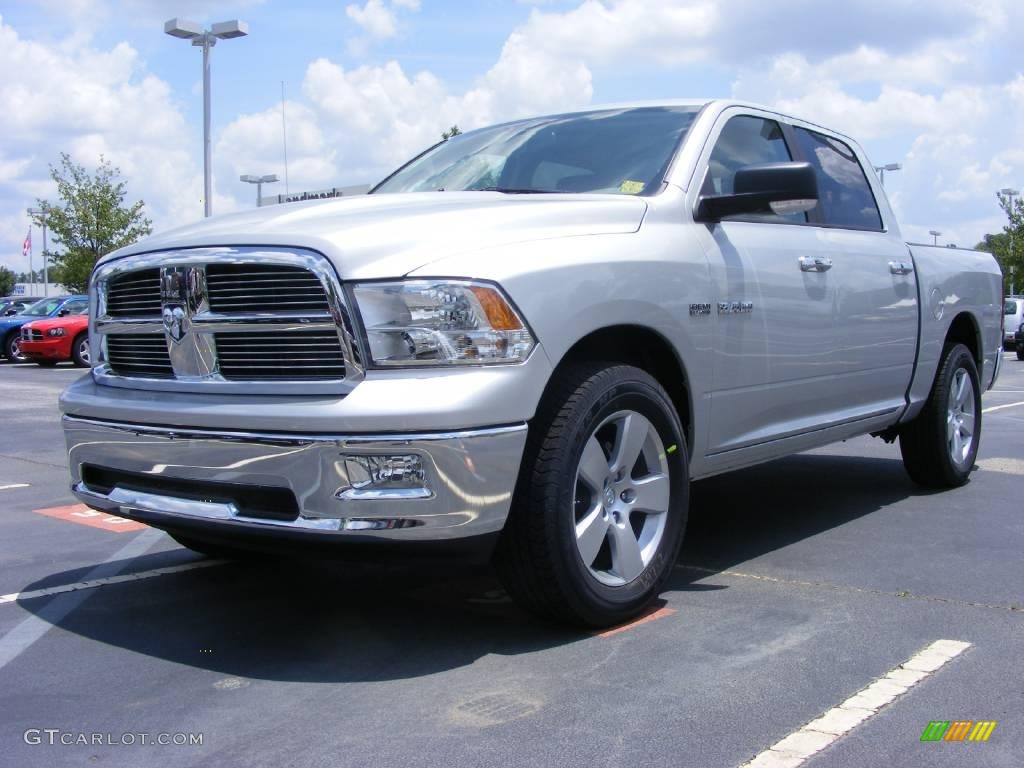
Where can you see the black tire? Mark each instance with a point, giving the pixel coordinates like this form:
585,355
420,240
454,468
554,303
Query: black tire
11,350
46,363
925,442
1020,353
537,557
213,549
76,353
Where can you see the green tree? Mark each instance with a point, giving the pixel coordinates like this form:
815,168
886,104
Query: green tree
91,219
7,281
453,131
1008,245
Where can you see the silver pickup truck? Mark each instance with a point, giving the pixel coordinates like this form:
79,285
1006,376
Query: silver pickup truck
526,343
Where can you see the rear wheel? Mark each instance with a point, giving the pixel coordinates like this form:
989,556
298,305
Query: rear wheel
601,501
1020,353
80,350
940,445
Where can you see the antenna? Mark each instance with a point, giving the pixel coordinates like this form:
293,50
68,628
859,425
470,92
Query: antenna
284,139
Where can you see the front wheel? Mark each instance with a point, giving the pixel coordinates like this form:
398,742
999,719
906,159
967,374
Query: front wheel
80,350
940,445
601,502
12,348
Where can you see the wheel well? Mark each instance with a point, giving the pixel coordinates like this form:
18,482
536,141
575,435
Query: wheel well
963,330
645,349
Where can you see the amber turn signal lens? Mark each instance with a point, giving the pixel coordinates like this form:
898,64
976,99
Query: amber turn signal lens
499,313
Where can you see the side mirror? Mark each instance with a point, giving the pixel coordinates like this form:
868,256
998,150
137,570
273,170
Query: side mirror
64,313
779,188
10,312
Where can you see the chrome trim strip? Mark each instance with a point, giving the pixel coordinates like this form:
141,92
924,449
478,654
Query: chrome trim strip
191,433
126,502
207,322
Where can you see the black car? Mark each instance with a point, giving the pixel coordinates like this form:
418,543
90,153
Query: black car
1018,339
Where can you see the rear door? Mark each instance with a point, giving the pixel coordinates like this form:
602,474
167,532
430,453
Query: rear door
876,290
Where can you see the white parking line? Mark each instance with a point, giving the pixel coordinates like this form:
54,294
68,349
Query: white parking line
120,579
23,635
1000,407
13,485
796,748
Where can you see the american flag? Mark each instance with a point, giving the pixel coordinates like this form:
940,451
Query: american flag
26,247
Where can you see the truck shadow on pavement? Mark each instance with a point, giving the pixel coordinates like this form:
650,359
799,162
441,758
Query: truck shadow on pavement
336,622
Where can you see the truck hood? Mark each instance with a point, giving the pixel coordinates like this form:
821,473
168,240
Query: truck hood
375,236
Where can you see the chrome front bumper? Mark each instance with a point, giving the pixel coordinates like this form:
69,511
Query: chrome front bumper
470,476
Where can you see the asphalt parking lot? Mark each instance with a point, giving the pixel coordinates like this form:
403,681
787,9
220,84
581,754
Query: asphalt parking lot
801,582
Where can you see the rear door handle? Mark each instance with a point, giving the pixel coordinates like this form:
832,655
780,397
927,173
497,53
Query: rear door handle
900,268
815,264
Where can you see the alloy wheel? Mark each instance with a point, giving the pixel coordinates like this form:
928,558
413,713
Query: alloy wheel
621,500
961,419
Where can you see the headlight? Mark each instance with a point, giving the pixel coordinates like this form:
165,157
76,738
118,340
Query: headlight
435,322
55,332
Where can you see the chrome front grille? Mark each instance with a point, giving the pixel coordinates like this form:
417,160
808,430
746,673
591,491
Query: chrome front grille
247,320
276,355
134,294
264,288
139,354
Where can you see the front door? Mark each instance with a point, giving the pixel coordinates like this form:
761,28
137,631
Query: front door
776,354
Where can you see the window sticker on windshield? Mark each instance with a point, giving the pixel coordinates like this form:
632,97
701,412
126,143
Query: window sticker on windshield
631,187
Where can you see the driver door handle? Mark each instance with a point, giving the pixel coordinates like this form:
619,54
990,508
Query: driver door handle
900,268
815,264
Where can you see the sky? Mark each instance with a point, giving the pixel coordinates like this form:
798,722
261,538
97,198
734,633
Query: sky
937,86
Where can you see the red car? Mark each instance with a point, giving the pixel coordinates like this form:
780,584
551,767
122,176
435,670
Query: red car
54,339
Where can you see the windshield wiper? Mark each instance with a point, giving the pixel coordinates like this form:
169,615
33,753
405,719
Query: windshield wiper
515,190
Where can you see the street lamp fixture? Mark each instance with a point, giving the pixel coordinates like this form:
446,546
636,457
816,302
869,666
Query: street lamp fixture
40,215
935,235
881,169
206,39
259,181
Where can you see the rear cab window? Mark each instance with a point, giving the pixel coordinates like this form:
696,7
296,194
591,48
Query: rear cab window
845,198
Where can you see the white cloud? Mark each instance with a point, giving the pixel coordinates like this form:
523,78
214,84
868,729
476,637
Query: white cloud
70,97
938,89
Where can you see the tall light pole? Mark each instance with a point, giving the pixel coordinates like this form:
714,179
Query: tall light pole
881,169
40,214
206,39
935,234
1010,193
259,181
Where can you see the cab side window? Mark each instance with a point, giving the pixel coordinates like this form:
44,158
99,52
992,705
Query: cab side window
746,140
844,195
76,307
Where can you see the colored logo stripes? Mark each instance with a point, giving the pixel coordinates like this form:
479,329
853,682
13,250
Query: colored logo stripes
958,730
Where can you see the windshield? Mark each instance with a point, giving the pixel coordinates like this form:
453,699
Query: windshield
621,151
43,307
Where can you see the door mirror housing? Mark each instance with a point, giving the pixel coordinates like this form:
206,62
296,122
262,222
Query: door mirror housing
64,313
768,188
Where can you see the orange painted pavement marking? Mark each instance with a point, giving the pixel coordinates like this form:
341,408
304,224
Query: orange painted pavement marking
652,614
81,514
